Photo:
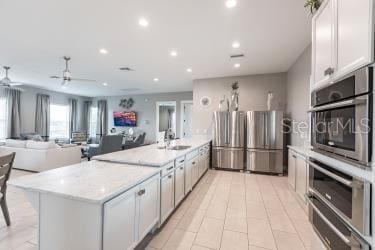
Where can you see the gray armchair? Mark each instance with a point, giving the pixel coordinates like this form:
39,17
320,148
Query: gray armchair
107,144
138,141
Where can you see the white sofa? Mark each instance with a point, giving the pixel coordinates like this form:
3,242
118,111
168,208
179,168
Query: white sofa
41,156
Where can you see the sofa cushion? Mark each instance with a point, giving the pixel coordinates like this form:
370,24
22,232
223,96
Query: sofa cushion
40,145
15,143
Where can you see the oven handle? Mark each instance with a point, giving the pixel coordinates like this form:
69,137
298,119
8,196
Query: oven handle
339,104
332,175
334,229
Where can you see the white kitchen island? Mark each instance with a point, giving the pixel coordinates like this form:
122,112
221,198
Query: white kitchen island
108,205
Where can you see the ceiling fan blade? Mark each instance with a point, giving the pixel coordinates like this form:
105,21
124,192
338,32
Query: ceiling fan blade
82,80
17,84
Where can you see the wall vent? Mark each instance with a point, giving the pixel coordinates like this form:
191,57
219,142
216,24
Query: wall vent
125,69
237,55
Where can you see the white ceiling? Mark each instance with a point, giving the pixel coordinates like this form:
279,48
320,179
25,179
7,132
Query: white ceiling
36,34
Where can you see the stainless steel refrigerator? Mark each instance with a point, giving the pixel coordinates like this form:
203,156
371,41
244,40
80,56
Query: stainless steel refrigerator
265,146
228,145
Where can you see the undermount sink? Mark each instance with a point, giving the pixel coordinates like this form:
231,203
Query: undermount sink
179,147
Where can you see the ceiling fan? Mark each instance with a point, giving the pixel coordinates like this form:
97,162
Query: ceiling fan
67,75
6,82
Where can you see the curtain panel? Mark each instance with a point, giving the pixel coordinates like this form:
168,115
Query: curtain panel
86,116
101,128
73,116
42,115
13,97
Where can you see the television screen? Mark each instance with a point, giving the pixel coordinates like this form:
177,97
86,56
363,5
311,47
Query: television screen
125,119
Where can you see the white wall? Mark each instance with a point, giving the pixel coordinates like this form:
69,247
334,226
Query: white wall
145,107
28,105
298,97
253,96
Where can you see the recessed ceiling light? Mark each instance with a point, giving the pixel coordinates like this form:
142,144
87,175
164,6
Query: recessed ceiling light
103,51
230,3
235,45
189,70
105,84
237,65
173,53
143,22
156,79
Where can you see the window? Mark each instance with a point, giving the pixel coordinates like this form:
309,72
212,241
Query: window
59,121
93,120
3,118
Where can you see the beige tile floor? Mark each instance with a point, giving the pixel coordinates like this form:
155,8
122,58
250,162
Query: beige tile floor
226,211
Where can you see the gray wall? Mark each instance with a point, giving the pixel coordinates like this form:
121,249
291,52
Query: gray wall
253,96
298,98
145,106
28,105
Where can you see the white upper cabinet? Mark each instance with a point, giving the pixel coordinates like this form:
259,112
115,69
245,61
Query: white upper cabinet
342,39
323,43
354,35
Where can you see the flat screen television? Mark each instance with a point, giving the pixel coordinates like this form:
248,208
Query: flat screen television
125,118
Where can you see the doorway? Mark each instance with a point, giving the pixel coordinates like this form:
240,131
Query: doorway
165,118
186,119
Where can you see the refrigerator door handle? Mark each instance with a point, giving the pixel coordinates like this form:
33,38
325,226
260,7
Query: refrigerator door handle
266,130
226,128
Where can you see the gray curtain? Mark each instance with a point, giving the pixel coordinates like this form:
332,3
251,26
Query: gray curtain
86,115
42,115
73,116
101,128
13,97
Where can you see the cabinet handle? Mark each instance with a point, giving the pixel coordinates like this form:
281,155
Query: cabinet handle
328,71
182,168
169,168
141,192
181,161
193,163
294,156
170,176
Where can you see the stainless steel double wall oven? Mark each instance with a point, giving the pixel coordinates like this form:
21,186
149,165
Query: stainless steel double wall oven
342,118
339,202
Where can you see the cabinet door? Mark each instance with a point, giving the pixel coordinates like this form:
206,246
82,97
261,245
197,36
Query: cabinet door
120,222
354,35
292,169
149,205
301,177
188,174
194,171
179,183
323,43
167,196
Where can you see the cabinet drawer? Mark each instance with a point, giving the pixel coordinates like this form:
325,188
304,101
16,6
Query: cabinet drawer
180,160
192,154
167,168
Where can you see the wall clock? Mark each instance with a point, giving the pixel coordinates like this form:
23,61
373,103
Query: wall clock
205,101
126,103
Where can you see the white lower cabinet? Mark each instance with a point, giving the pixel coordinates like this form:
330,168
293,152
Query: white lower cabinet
292,169
120,222
188,176
131,215
301,177
179,191
167,195
194,170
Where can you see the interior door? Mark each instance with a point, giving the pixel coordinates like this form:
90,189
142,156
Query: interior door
354,35
256,129
323,42
187,120
220,129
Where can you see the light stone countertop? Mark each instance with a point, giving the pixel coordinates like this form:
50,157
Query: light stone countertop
151,156
366,174
92,181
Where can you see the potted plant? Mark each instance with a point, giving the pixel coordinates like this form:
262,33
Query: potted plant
313,5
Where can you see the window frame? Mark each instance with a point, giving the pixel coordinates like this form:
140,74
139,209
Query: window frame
67,132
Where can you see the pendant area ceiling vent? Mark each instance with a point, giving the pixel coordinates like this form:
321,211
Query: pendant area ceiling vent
130,89
125,69
237,55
